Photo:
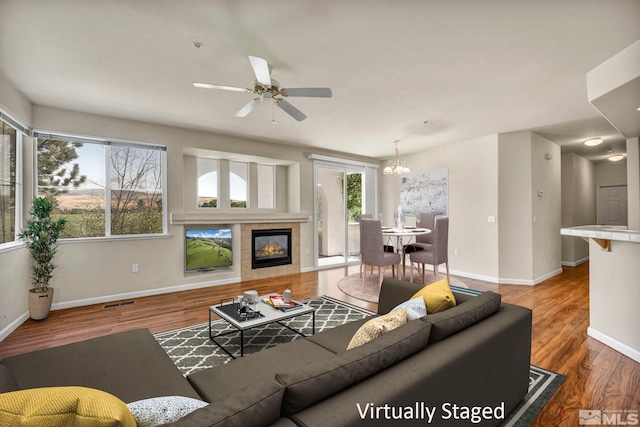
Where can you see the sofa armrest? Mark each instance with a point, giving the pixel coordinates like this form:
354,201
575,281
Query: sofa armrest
394,292
7,382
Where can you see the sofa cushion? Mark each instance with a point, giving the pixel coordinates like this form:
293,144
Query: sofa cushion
416,308
7,382
463,315
161,410
314,382
130,365
258,405
437,296
378,326
337,339
216,384
63,406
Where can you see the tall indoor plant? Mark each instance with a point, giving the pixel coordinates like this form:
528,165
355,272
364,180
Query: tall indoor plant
41,238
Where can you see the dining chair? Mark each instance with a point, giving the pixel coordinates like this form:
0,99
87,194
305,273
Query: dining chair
423,241
437,253
360,218
372,251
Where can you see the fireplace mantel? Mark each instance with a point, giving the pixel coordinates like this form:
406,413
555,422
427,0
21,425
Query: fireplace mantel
197,218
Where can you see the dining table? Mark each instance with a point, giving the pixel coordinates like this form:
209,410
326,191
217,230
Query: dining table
400,234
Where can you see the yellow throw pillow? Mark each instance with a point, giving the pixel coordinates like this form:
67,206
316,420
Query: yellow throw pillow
378,326
63,406
437,296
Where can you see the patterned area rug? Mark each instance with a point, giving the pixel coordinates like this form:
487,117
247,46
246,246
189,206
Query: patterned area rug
191,349
352,284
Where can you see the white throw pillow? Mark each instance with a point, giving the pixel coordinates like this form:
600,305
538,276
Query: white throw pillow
416,308
161,410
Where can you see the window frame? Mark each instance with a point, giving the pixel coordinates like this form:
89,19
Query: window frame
21,131
108,143
198,176
247,185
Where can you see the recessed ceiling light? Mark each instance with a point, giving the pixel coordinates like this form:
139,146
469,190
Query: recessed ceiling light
593,142
616,157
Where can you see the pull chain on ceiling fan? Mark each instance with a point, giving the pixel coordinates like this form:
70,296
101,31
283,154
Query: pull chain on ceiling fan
269,90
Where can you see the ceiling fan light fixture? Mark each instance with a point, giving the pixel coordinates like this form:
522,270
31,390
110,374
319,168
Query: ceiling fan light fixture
616,157
592,142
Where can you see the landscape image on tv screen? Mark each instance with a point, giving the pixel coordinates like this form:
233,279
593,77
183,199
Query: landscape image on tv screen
208,249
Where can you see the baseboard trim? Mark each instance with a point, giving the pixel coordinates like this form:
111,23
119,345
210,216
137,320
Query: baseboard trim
575,263
614,344
140,294
13,325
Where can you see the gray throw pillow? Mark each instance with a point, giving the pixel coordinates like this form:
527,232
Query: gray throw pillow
161,410
416,308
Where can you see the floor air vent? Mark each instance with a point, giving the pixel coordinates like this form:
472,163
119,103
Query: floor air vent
118,304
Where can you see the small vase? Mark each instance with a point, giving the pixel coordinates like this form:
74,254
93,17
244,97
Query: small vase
40,303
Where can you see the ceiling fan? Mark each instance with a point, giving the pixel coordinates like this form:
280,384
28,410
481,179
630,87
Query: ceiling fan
269,90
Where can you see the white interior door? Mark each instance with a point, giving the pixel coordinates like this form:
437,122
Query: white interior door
612,205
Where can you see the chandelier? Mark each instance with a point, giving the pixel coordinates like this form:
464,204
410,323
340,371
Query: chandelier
395,167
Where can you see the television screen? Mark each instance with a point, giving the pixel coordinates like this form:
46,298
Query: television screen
208,249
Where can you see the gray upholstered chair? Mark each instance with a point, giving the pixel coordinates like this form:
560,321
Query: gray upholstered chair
423,241
438,252
360,218
372,249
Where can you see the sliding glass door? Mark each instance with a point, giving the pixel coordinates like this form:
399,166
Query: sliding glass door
339,203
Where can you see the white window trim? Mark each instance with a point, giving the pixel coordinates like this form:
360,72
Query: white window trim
18,214
107,143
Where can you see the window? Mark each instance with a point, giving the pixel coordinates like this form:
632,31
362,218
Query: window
9,188
266,186
208,186
238,187
86,176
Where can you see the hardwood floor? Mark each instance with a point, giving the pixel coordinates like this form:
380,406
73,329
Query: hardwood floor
597,376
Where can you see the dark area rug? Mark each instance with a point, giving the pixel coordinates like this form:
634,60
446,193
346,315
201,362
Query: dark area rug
191,349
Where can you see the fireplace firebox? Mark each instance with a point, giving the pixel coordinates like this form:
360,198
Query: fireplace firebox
270,248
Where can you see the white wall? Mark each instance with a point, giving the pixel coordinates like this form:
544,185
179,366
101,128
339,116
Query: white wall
578,204
611,173
529,224
633,182
473,196
515,207
547,242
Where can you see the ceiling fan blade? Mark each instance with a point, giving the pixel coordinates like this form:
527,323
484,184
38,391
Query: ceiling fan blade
315,92
261,70
244,111
210,86
291,110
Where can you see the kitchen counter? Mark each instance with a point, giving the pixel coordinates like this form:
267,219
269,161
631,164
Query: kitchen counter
614,290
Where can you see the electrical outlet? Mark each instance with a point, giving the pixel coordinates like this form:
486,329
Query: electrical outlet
134,268
306,251
456,252
491,219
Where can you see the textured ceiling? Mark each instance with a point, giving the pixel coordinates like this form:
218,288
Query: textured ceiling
470,68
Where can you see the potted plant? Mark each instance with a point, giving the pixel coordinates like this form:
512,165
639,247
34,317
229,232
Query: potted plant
41,235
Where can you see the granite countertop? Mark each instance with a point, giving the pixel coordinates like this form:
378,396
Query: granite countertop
607,232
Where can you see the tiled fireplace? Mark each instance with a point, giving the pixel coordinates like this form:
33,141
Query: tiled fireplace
269,250
271,247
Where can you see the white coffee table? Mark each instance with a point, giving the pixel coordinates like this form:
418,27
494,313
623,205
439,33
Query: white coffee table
228,311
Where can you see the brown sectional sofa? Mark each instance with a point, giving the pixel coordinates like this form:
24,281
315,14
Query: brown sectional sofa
475,355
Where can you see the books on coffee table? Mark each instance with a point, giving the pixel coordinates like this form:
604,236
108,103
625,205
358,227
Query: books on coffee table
277,301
